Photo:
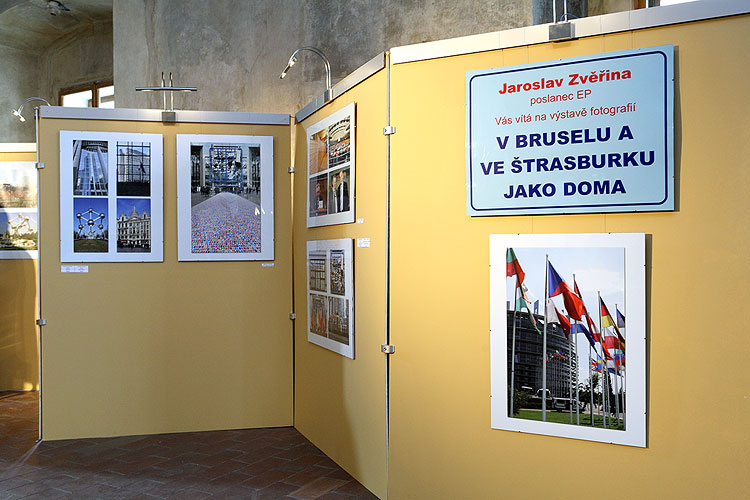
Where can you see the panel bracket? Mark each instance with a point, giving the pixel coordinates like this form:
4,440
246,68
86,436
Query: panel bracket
290,170
292,316
387,349
41,322
389,130
39,165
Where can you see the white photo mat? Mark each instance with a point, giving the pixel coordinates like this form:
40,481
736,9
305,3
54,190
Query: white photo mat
327,158
330,295
634,274
18,219
229,238
109,205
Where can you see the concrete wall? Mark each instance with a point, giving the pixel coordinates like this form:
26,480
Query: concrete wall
234,51
79,57
19,79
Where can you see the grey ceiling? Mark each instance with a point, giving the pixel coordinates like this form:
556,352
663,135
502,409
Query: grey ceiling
26,24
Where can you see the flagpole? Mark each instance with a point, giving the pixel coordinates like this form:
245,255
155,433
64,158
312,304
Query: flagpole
513,350
544,341
617,395
625,374
570,380
605,390
591,389
578,402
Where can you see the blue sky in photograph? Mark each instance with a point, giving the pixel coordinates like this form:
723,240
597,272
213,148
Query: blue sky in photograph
125,206
596,270
81,205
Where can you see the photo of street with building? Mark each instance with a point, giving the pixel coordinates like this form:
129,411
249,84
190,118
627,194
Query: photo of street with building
316,262
566,361
338,319
338,276
18,185
330,288
133,225
225,198
90,168
133,168
18,230
318,315
90,230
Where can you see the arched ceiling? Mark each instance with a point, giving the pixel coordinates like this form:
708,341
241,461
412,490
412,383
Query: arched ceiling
27,25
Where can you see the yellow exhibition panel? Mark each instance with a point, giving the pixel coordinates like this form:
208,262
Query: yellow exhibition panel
18,313
142,348
441,443
340,402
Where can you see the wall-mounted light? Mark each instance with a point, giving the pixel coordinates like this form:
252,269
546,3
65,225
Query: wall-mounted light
167,114
328,94
17,112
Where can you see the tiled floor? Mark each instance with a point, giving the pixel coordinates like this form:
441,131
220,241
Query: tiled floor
248,464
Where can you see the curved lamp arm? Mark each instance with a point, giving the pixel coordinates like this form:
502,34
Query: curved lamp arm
17,112
293,59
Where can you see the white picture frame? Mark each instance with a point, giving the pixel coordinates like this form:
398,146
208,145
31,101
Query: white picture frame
225,206
331,172
330,294
614,262
111,197
19,222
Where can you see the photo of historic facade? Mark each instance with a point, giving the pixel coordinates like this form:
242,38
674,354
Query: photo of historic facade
133,225
17,185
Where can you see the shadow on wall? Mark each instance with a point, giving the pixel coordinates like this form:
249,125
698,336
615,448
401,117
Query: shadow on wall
18,339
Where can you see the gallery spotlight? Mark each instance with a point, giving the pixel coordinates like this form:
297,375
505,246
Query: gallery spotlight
293,59
54,7
17,112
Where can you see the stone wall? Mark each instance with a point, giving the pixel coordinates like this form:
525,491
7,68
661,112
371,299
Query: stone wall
234,51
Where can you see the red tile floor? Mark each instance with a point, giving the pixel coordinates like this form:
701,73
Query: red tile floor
249,464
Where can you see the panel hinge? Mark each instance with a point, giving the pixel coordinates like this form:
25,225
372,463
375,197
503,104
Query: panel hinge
290,170
292,316
387,349
389,130
41,322
39,165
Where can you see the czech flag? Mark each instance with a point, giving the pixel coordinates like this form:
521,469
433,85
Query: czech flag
557,286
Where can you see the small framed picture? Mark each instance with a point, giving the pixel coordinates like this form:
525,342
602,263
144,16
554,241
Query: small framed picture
330,295
18,210
330,169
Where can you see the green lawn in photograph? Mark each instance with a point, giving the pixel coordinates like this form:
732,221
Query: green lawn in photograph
564,418
90,246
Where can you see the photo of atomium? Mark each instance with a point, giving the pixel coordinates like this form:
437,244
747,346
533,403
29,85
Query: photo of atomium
90,230
18,231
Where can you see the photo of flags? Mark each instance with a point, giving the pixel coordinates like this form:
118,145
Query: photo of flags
562,371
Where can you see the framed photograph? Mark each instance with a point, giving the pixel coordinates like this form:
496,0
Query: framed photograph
18,210
567,335
225,197
330,295
111,197
330,169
